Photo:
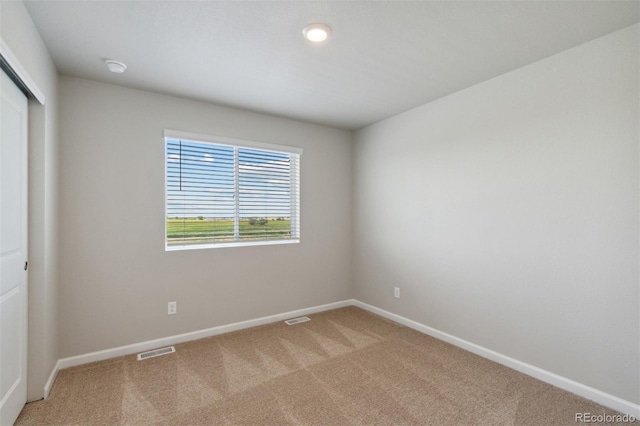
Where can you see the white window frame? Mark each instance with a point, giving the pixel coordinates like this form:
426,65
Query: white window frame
236,143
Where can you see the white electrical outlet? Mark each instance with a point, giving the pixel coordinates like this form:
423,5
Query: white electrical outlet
396,292
172,308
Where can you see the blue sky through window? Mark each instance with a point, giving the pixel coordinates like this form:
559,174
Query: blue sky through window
201,181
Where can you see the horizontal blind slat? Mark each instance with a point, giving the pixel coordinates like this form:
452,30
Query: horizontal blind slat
201,183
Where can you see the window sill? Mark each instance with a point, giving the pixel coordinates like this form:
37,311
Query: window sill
231,244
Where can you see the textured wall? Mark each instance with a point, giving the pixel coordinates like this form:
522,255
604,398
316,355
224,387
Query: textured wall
507,213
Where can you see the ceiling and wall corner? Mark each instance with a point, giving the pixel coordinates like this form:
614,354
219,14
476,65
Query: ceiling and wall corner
383,57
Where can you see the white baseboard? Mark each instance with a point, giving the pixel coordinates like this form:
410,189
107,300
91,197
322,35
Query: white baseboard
52,378
572,386
569,385
187,337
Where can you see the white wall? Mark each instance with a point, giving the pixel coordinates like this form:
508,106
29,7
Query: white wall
116,278
508,212
19,33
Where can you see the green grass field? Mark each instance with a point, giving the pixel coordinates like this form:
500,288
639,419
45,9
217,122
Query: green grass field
194,231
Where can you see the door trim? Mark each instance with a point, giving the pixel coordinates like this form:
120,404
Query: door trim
16,72
11,65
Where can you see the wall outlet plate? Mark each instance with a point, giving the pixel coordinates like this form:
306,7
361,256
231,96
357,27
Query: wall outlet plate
172,308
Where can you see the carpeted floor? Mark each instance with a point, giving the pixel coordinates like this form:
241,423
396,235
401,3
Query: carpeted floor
343,367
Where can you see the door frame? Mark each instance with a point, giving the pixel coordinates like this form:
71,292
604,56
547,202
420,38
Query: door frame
11,65
16,72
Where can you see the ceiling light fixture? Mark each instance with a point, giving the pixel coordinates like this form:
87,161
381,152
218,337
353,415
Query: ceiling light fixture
316,33
115,66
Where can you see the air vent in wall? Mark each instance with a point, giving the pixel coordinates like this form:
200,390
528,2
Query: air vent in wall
297,320
156,352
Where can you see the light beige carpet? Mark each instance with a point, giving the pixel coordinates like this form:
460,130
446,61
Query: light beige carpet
344,367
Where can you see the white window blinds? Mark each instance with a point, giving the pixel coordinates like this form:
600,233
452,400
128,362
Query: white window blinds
229,194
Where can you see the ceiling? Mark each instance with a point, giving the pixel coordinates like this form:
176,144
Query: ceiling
384,57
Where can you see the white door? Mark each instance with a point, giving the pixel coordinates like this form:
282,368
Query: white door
13,251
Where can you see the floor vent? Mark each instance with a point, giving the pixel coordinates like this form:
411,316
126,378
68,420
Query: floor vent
297,320
156,352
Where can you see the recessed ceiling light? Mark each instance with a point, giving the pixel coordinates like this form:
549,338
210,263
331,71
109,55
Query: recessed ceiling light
316,32
115,66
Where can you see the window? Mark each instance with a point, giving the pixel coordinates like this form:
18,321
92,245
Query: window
228,192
